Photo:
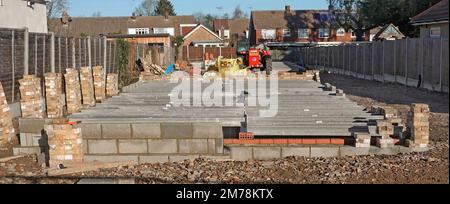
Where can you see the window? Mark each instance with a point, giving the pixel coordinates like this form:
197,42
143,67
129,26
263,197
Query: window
268,34
354,34
303,33
324,33
226,33
170,31
286,33
435,32
138,31
340,32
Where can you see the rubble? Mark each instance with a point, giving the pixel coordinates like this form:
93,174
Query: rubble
31,99
99,83
53,93
112,84
87,86
6,126
73,91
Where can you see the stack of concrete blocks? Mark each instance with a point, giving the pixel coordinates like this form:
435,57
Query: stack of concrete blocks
87,86
362,140
152,142
73,91
65,143
112,84
340,92
6,126
418,126
385,130
33,139
31,100
53,93
99,83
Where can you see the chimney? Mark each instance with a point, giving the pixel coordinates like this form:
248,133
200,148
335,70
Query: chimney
287,8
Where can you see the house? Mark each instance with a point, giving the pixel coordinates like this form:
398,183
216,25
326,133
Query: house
433,22
297,26
18,14
387,32
232,30
201,36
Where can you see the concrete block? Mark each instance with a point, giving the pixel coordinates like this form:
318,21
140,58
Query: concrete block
85,147
26,150
31,125
146,130
241,153
211,146
219,146
176,130
180,158
266,153
207,130
132,146
295,151
162,146
102,146
110,158
91,131
324,151
384,151
353,151
116,131
152,159
193,146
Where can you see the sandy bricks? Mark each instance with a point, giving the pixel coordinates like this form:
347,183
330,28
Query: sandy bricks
65,142
31,100
73,91
6,126
385,129
340,92
87,86
112,84
385,142
362,140
99,83
53,92
418,125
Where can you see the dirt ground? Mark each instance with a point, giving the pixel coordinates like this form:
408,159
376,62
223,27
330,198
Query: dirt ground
427,167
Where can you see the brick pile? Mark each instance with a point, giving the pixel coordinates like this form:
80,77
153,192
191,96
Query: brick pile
65,143
418,126
6,126
53,93
87,86
99,83
340,92
112,84
31,100
293,76
385,129
362,140
73,91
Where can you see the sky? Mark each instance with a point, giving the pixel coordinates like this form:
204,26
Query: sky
189,7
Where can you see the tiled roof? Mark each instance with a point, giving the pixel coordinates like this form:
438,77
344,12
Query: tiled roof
438,12
291,19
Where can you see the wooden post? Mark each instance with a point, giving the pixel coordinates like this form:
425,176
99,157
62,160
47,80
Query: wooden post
383,60
373,60
25,51
364,61
395,61
421,60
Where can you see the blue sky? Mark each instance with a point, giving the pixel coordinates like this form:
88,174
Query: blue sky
188,7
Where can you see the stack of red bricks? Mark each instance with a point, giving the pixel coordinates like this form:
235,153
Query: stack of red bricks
99,83
112,84
73,91
87,86
418,126
385,129
65,142
31,100
6,125
53,93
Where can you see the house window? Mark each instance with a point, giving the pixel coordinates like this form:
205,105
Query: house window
226,33
170,31
142,31
303,33
324,33
286,33
354,34
268,34
435,32
340,32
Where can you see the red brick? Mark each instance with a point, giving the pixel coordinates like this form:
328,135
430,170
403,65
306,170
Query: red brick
337,141
266,141
323,141
280,141
228,141
309,141
295,141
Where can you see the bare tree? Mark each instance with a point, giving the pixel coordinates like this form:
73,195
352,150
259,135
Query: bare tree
238,13
146,8
55,8
97,14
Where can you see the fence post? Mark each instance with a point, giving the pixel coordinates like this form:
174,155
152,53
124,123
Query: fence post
114,57
421,61
406,61
43,54
13,65
364,62
373,60
59,53
79,51
35,54
395,61
89,51
52,52
74,62
104,57
26,37
441,64
356,60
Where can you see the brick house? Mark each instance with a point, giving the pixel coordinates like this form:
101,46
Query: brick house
433,22
297,26
232,30
203,37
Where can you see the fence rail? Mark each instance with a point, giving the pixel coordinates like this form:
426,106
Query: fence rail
413,62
